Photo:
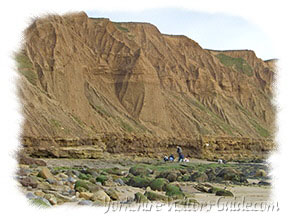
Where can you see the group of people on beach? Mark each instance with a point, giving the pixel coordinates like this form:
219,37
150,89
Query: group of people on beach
181,158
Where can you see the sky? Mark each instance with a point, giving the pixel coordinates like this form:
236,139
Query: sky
217,31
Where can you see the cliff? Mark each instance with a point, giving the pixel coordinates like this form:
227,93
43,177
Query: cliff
92,78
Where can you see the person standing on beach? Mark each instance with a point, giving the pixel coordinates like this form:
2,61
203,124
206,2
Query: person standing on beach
181,156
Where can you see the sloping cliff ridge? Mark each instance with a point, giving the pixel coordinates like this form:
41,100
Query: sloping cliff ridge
95,86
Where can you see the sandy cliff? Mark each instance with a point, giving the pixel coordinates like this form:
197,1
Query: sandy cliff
92,78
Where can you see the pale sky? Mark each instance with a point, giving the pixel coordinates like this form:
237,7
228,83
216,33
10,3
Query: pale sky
213,31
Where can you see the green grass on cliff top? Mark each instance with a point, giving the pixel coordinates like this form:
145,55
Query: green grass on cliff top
239,64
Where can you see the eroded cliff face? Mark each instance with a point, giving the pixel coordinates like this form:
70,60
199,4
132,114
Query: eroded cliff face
85,78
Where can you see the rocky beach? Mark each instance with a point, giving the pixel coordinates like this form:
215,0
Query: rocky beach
53,182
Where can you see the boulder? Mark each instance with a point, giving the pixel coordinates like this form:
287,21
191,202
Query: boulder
23,172
119,181
100,196
112,193
198,177
83,176
225,193
171,176
261,173
116,171
158,184
24,159
44,186
46,174
153,196
264,183
231,174
210,174
86,195
102,179
203,187
51,198
39,193
28,181
81,184
184,178
139,171
110,183
140,182
140,198
174,191
61,197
